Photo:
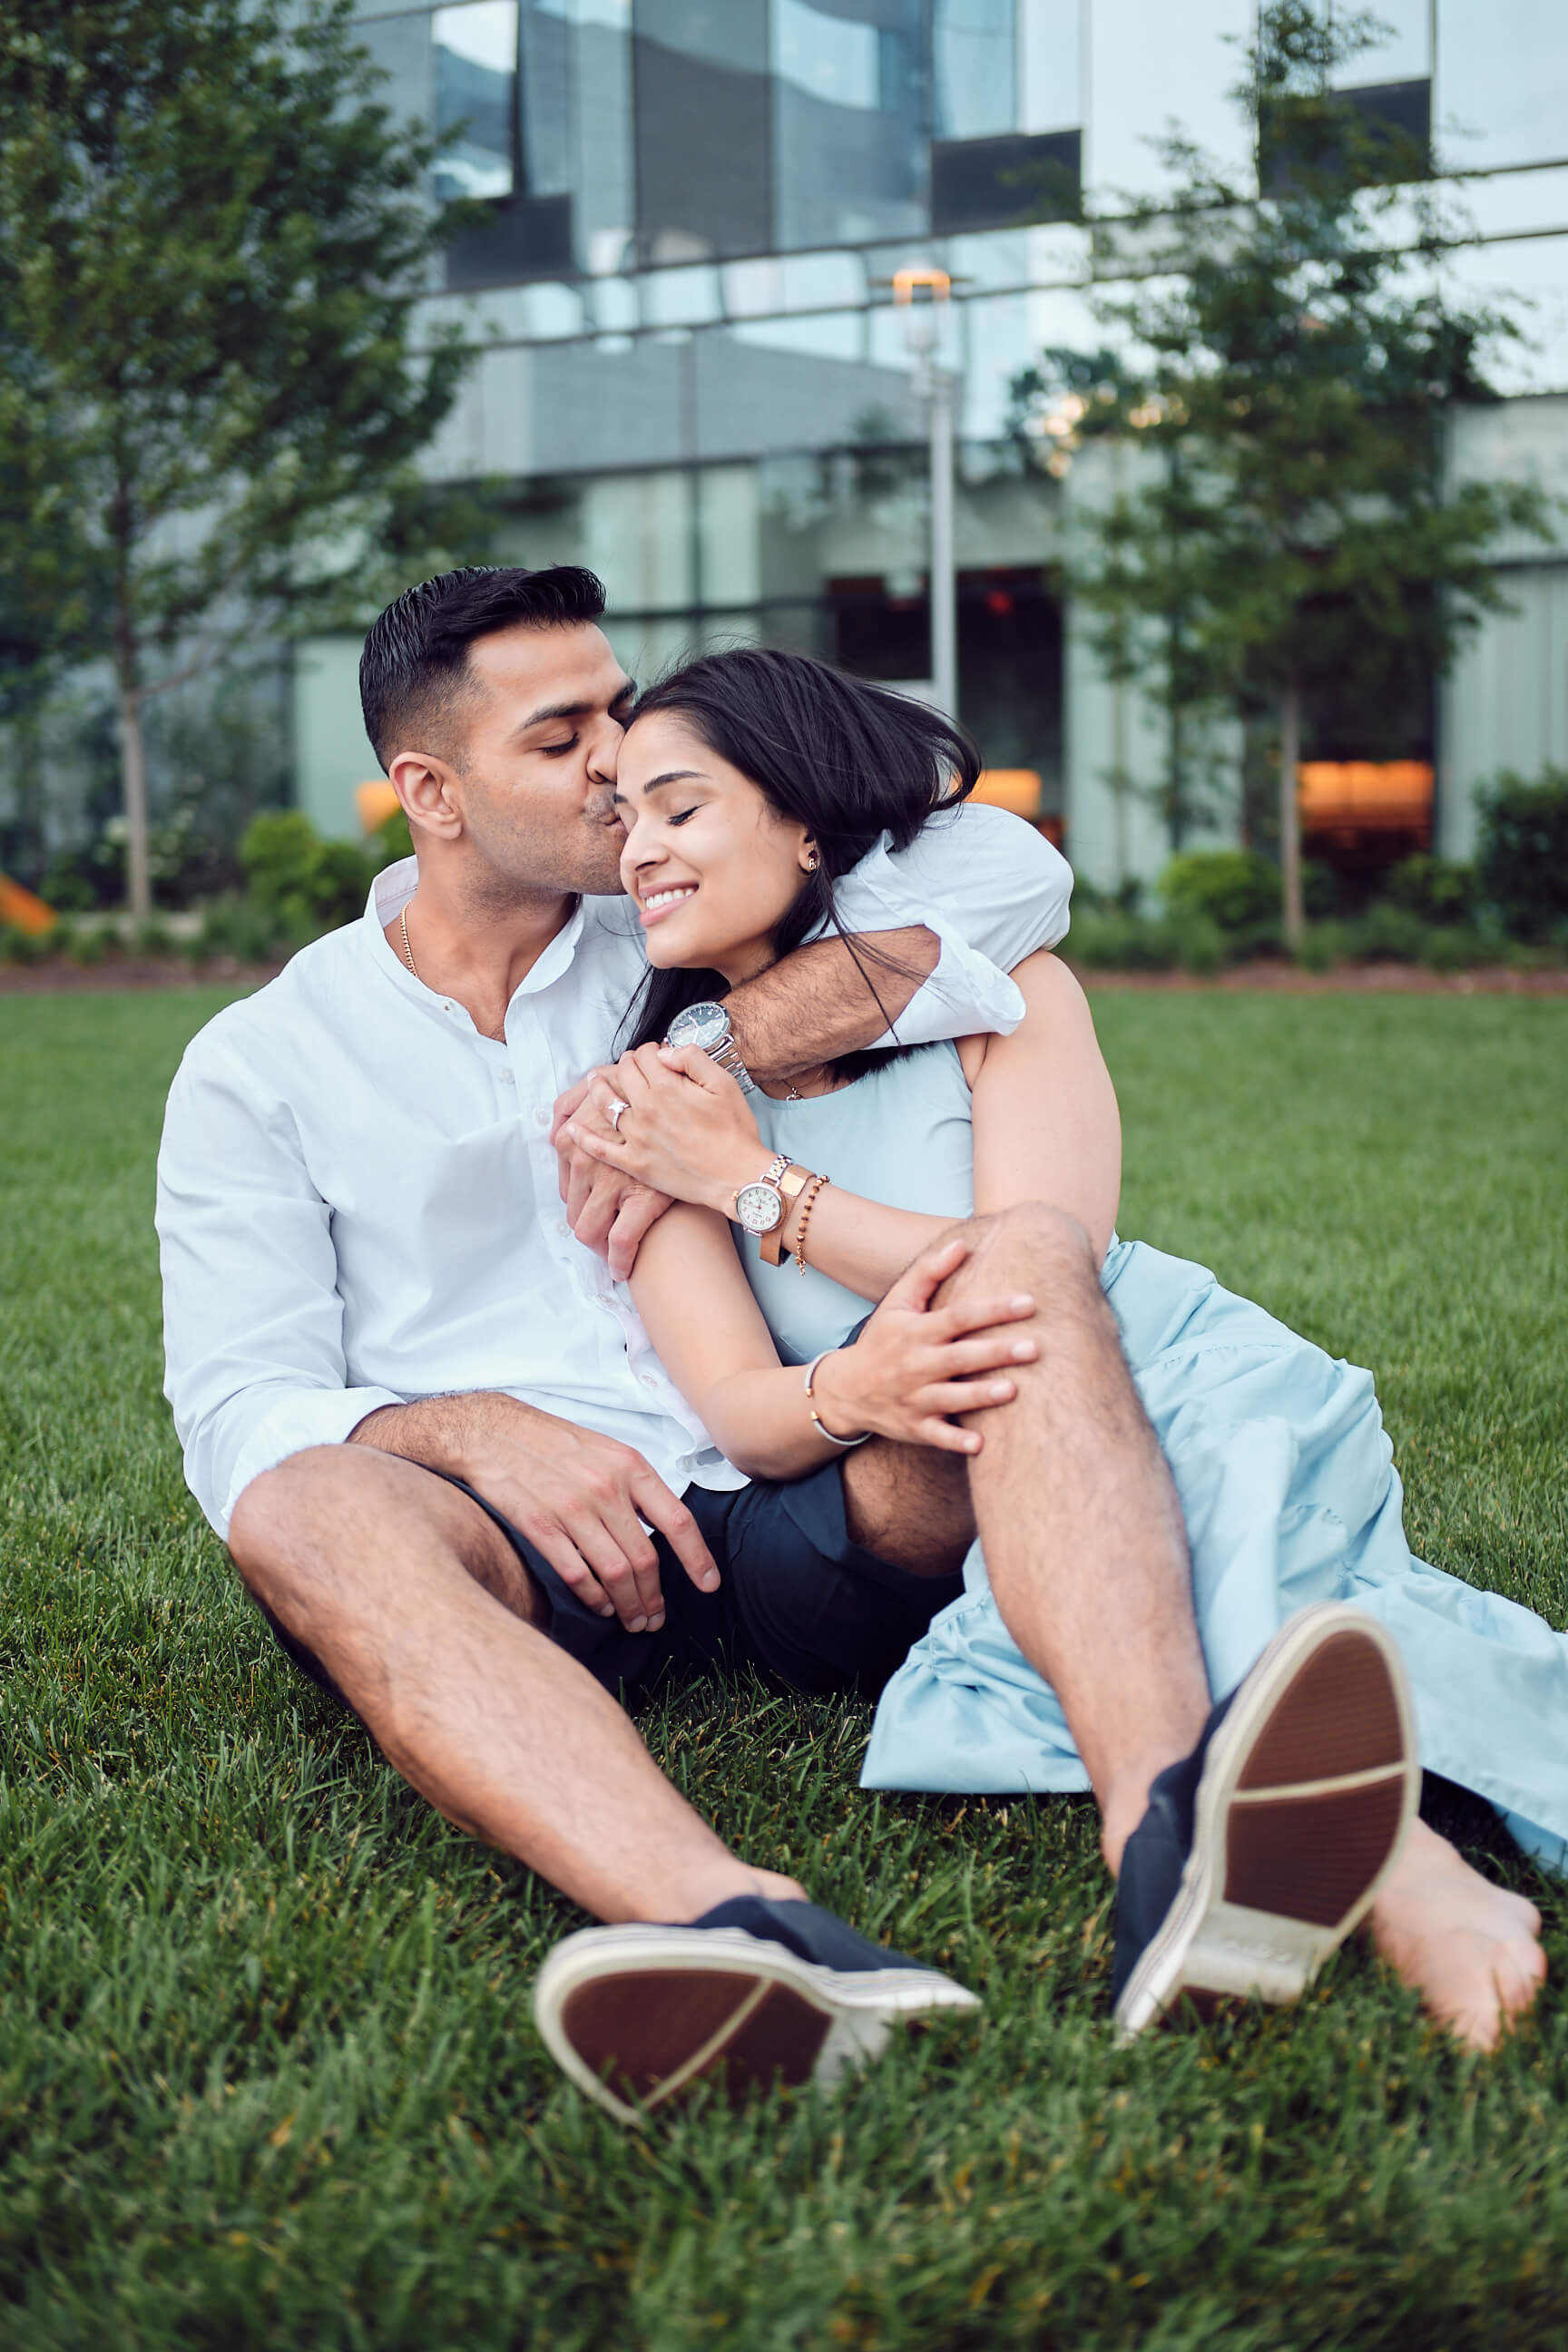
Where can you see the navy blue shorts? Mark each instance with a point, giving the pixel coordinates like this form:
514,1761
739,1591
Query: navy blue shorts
796,1598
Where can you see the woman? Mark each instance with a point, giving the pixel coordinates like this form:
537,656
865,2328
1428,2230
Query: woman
747,782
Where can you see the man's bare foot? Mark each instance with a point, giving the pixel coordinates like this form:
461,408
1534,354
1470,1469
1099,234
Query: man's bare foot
1470,1948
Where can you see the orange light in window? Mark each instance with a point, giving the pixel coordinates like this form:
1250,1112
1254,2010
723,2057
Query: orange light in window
375,803
1017,789
1364,795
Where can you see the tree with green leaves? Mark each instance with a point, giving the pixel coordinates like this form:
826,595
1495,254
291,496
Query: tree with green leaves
212,240
1292,530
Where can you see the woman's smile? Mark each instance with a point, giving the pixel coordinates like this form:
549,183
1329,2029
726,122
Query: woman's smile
657,903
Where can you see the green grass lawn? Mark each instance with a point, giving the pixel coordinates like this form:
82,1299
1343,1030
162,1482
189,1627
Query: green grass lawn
267,2071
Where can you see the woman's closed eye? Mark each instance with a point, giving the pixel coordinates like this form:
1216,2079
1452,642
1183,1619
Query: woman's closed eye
680,815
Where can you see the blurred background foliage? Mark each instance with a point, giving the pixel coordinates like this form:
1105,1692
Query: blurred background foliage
1220,907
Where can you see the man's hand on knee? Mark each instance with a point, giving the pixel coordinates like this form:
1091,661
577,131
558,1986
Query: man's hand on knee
586,1501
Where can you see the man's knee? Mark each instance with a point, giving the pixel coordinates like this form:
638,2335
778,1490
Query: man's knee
1050,1241
281,1504
323,1519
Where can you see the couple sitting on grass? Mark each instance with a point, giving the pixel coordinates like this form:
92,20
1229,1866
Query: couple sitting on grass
800,1336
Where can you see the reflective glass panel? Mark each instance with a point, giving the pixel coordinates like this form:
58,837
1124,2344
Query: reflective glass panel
1151,70
703,130
1050,94
680,297
547,95
576,110
1502,75
1527,278
1515,201
401,47
727,514
638,535
476,98
826,55
849,129
974,59
1401,50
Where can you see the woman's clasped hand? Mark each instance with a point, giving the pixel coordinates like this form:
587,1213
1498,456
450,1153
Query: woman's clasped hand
687,1129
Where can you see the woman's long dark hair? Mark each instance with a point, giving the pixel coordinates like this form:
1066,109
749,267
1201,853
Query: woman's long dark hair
848,760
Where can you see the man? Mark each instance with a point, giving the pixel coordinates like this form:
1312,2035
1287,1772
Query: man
369,1279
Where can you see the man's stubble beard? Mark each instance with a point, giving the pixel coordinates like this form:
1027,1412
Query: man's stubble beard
509,868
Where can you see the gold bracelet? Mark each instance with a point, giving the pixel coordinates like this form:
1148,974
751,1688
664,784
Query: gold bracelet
808,1202
845,1443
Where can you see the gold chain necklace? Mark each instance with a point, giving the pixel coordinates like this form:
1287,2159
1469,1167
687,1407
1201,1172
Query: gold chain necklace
496,1036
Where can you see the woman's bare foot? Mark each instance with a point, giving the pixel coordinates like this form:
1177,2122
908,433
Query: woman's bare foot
1470,1948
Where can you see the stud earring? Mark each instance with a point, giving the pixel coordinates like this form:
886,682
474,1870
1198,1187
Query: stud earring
811,862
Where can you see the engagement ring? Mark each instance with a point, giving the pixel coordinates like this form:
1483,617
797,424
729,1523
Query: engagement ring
617,1107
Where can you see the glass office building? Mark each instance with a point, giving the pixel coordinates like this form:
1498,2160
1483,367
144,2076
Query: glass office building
694,377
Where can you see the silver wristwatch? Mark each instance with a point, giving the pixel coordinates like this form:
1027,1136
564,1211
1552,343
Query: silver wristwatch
761,1206
708,1025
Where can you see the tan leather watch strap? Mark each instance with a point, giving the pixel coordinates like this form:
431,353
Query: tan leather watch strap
792,1184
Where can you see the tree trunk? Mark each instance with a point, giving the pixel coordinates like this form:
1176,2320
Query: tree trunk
133,784
1290,815
27,743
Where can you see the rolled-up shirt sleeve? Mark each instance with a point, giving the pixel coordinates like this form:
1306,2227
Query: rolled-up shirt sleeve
255,1369
991,887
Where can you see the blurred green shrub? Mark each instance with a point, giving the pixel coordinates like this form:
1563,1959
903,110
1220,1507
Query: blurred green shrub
250,930
1101,940
1456,946
1436,888
19,946
1387,933
391,840
303,880
1522,869
66,887
1237,890
1322,896
1324,945
89,944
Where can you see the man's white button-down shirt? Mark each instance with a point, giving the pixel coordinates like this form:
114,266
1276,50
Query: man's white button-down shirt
357,1195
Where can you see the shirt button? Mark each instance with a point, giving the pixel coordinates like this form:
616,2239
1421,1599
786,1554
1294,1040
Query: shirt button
507,1078
563,1230
542,1120
647,1380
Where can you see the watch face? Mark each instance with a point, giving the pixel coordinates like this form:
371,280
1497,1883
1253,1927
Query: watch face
759,1207
699,1025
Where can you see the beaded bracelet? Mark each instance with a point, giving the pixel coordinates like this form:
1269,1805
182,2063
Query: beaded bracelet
807,1203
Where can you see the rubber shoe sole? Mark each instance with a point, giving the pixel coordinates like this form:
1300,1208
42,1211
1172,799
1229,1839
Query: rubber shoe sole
637,2016
1307,1788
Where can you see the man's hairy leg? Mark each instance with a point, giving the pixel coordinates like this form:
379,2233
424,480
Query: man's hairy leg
425,1617
1074,1502
1077,1446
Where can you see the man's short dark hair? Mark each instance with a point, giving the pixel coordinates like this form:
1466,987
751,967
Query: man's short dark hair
415,658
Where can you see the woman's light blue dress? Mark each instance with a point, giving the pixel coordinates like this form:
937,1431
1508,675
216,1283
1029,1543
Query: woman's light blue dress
1284,1475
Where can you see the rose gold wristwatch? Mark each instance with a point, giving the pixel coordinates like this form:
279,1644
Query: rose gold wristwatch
791,1184
759,1206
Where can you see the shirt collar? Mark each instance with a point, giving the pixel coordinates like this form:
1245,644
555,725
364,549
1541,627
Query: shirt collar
391,891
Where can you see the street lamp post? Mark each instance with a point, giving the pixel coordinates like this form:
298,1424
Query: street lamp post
935,383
